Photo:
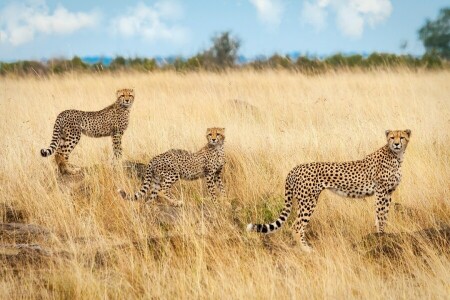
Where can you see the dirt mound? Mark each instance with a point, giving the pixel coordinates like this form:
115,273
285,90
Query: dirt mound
22,233
12,214
395,245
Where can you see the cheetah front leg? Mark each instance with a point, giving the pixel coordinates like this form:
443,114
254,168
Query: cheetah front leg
211,186
383,197
218,181
117,145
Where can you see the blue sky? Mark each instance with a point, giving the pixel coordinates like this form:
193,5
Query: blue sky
40,29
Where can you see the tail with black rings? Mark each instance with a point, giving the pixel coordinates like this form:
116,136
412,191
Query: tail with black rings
274,226
148,179
55,139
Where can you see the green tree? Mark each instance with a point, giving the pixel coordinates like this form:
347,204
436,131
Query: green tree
118,63
78,64
223,53
435,35
277,61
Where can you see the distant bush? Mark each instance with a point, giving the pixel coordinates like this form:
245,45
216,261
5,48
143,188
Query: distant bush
137,64
22,68
309,66
204,61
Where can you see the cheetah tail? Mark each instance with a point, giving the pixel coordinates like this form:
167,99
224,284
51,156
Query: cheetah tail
274,226
144,189
55,140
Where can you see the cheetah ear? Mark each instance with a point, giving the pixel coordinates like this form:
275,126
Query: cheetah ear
119,93
408,131
387,132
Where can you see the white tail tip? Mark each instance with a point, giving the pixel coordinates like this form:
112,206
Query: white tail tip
250,227
122,193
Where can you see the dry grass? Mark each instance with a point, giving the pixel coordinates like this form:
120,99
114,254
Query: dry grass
273,122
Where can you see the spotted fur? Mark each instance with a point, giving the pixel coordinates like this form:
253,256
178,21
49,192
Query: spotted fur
167,168
378,173
70,124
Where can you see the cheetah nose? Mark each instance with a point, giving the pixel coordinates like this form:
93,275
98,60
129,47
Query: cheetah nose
396,144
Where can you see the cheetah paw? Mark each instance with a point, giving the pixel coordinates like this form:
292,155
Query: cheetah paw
307,248
178,204
74,171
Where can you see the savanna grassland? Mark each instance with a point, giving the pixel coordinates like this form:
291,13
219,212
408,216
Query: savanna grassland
274,121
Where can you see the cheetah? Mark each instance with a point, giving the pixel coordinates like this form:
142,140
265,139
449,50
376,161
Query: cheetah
378,173
167,168
70,124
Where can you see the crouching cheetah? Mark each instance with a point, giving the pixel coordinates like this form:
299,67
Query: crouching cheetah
167,168
70,124
378,173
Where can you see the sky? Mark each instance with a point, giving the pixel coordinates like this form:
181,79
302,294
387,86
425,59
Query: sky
43,29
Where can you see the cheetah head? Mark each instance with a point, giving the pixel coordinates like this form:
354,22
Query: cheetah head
398,139
215,136
125,97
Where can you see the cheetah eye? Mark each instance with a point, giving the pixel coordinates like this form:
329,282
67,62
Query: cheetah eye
391,137
402,138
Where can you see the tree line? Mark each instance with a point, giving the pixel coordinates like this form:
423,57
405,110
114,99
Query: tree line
302,64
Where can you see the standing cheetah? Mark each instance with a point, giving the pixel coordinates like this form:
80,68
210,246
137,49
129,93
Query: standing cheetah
167,168
70,124
378,173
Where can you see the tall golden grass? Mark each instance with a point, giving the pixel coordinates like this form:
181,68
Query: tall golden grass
274,121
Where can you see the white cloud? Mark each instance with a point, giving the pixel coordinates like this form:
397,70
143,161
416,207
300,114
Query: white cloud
3,38
151,22
350,22
351,15
21,22
269,11
314,14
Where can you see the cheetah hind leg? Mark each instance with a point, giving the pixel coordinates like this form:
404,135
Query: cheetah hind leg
305,211
168,196
64,167
300,234
71,137
167,181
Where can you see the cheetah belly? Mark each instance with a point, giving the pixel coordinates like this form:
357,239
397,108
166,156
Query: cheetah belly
192,174
96,129
348,179
191,167
92,132
357,192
